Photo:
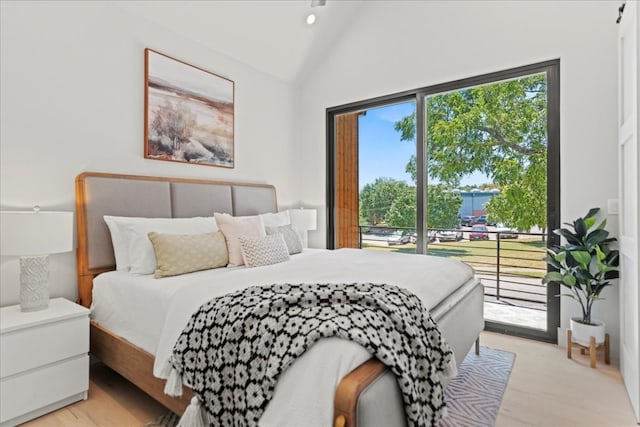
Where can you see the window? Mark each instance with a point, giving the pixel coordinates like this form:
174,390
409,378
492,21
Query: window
488,153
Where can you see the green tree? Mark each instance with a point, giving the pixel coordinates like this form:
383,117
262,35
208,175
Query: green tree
442,207
402,212
499,130
393,203
376,199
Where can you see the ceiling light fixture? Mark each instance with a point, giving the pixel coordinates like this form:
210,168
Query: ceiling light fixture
311,19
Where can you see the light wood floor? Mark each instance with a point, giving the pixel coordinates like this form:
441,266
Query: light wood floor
545,389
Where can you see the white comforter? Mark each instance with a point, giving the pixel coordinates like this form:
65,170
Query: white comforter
304,394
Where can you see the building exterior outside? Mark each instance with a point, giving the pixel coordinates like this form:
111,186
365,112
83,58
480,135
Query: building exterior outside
473,202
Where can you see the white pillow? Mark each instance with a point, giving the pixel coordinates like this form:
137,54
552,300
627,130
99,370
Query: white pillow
141,254
119,239
235,226
266,250
276,219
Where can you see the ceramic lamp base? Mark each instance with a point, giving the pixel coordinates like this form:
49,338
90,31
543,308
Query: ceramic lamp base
34,283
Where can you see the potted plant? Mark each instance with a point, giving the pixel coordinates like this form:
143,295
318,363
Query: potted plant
585,265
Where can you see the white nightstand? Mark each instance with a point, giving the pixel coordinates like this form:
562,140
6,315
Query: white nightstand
44,361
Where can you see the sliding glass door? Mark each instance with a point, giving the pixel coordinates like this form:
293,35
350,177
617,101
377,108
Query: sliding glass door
488,144
468,170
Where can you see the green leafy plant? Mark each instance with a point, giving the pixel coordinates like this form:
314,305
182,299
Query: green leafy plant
586,264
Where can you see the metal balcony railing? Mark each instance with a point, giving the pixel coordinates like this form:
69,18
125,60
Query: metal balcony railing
509,264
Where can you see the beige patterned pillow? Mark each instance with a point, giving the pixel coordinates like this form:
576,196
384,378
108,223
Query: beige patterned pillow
185,253
266,250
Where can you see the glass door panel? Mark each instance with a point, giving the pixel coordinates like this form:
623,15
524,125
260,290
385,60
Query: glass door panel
486,149
387,186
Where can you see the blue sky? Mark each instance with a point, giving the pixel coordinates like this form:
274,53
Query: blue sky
382,154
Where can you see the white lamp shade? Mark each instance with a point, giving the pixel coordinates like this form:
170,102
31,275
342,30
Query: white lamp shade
303,219
35,233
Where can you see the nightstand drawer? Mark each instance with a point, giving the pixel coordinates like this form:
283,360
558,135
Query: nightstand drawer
43,344
42,387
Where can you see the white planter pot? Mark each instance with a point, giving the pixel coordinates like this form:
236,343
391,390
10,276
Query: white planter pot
582,333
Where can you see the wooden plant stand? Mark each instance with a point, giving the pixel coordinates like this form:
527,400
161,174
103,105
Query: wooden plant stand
592,348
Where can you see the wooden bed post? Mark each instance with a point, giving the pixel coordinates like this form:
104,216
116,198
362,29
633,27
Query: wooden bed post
345,403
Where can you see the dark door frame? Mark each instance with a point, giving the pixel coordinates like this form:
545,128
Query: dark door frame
552,70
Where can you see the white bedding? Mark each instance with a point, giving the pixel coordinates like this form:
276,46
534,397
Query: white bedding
152,312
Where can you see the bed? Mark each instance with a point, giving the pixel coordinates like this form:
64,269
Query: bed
366,394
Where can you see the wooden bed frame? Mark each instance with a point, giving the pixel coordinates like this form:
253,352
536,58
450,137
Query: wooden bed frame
136,364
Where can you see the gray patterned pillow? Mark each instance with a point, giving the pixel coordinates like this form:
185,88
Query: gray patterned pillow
266,250
290,235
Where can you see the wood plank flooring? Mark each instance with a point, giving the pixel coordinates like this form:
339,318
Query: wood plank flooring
545,389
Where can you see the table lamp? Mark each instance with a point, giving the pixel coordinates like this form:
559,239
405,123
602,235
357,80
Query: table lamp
304,220
34,235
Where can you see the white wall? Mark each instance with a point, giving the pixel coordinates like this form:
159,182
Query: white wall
72,100
396,46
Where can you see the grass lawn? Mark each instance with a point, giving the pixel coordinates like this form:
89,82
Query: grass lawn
521,256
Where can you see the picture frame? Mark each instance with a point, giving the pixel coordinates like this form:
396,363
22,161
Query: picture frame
188,113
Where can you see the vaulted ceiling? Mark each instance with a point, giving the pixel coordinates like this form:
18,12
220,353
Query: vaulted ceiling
269,35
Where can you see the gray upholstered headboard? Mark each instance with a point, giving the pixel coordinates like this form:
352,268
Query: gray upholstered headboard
99,194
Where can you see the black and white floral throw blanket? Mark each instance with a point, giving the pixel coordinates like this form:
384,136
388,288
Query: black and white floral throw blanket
235,346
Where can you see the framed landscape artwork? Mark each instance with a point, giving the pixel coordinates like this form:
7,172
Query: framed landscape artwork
189,113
